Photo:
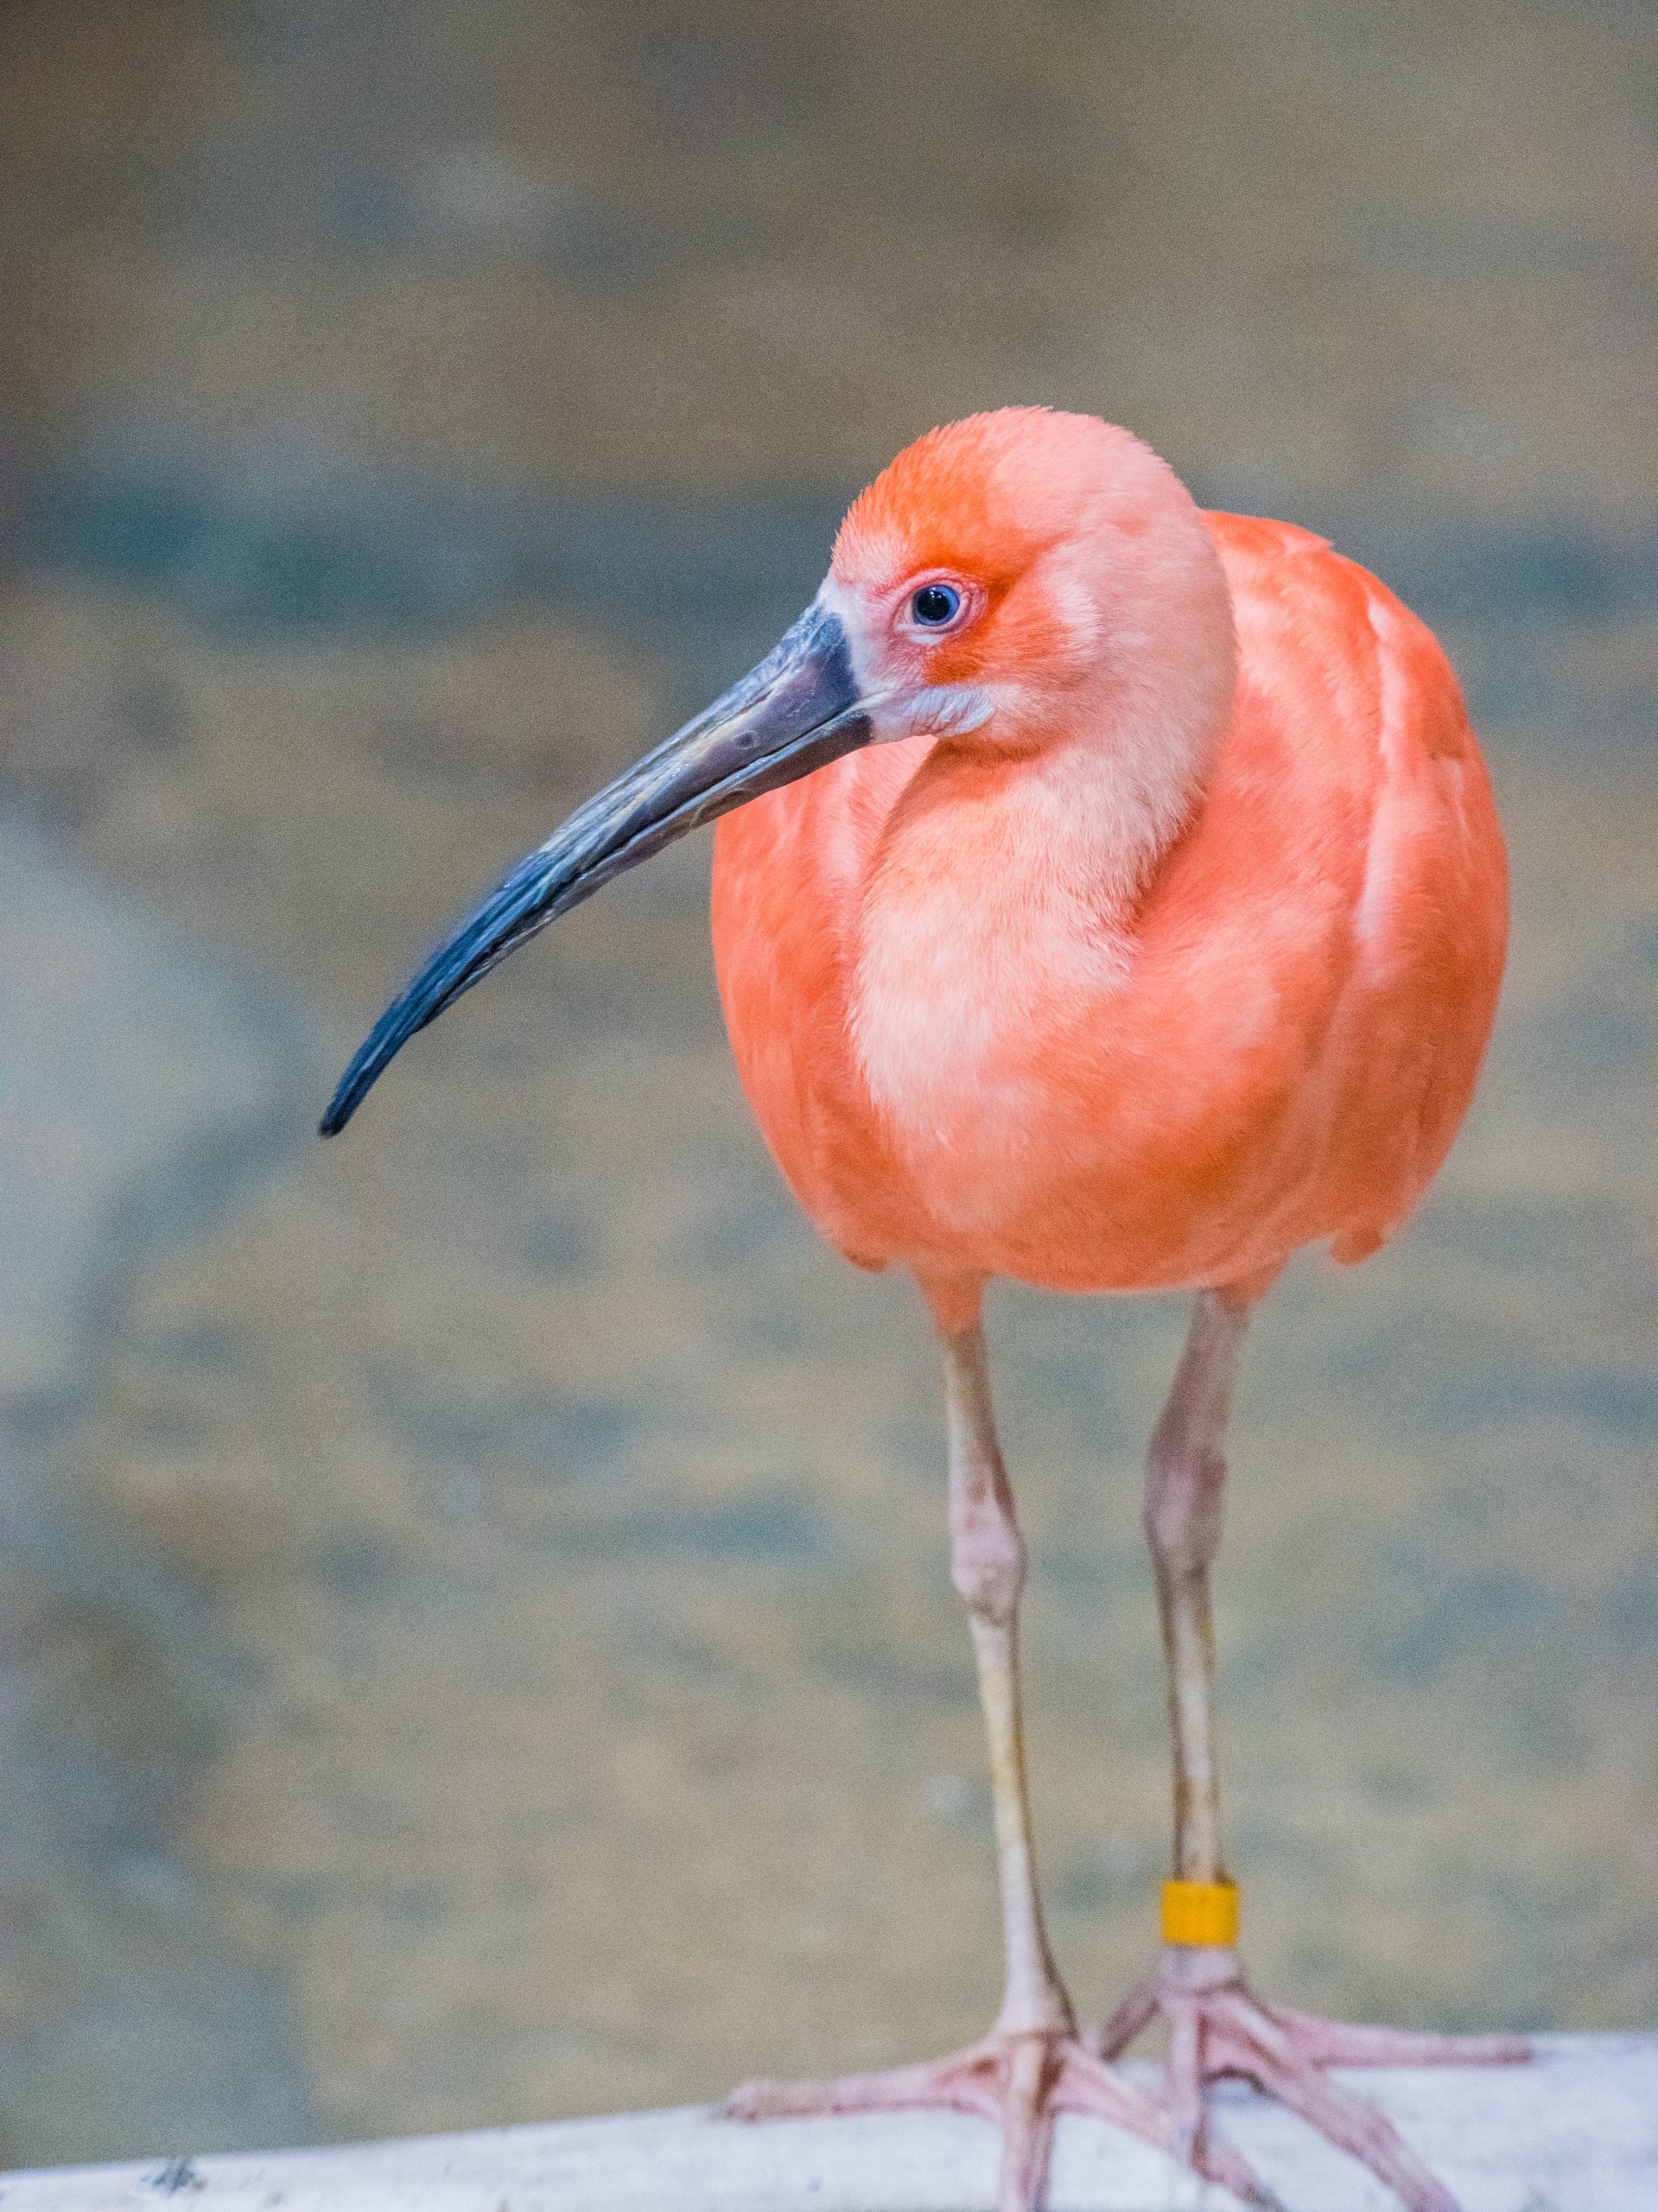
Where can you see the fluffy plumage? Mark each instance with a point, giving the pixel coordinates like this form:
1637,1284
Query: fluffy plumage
1186,957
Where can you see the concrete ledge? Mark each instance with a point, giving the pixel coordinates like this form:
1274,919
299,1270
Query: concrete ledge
1575,2132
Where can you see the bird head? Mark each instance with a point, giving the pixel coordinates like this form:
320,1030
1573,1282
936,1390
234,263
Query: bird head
1007,581
1025,575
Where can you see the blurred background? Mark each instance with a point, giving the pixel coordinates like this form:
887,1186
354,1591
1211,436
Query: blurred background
477,1637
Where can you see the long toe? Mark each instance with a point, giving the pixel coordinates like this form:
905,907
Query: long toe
1027,2125
965,2083
1335,2042
1356,2128
1136,2013
1089,2084
1186,2079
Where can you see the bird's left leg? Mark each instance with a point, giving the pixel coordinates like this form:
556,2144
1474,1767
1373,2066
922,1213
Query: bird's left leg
1216,2023
1031,2066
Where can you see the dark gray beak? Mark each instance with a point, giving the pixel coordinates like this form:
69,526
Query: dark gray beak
798,710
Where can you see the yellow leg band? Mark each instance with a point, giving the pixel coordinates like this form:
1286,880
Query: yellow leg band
1200,1913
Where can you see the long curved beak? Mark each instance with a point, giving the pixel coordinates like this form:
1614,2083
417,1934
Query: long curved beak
798,709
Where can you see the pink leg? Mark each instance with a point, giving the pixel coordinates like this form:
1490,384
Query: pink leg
1031,2066
1217,2025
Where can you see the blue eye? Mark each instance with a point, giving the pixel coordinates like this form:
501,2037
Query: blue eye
936,603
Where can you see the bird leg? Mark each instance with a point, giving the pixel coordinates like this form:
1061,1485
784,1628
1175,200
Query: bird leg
988,1567
1032,2065
1216,2024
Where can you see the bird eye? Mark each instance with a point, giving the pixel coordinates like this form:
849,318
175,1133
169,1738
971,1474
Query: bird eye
936,603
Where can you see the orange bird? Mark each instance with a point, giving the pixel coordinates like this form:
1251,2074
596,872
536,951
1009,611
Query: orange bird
1116,902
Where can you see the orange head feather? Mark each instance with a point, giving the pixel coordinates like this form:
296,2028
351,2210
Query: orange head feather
1090,596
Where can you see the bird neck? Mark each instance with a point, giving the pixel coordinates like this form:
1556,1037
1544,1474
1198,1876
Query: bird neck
1007,874
1108,761
1073,807
1008,878
1091,815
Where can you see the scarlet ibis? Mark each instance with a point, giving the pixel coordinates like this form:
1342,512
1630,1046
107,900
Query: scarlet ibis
1109,895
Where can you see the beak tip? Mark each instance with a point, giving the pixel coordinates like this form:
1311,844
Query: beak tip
340,1112
351,1090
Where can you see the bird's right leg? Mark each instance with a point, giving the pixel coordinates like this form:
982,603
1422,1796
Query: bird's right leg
1031,2066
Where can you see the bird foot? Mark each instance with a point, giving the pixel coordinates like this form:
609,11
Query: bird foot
1023,2082
1218,2026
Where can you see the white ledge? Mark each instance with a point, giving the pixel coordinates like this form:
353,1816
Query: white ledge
1576,2131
